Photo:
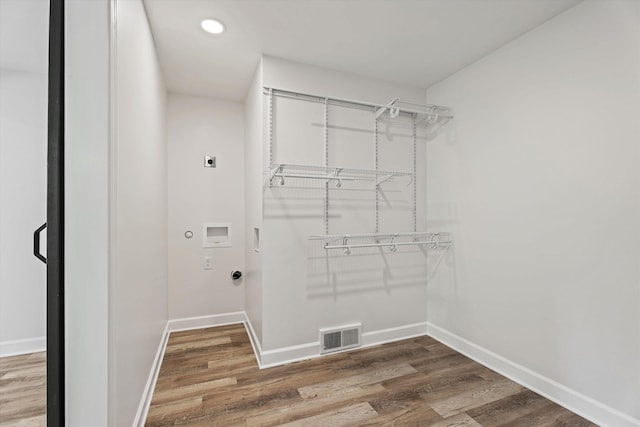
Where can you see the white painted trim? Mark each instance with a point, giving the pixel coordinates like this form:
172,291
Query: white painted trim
281,356
147,394
403,332
253,339
175,325
582,405
284,355
25,346
189,323
112,250
265,359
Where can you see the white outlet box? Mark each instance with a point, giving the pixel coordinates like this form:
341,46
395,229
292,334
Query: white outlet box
216,235
208,263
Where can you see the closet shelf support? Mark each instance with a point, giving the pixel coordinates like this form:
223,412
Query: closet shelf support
431,240
279,172
335,174
428,113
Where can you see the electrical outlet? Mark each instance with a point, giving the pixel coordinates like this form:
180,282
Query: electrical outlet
209,162
208,263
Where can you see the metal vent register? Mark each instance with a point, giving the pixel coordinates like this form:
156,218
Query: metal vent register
336,339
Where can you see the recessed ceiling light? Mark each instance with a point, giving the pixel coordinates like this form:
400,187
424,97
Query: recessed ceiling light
212,26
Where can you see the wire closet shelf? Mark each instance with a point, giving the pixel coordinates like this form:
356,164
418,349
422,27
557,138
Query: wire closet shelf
279,173
428,114
397,112
390,241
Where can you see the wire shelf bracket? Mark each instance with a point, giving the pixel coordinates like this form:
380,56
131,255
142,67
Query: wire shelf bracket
428,114
389,240
431,116
332,174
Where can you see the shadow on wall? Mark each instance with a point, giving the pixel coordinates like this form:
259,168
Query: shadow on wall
442,217
332,273
442,279
435,257
447,130
387,129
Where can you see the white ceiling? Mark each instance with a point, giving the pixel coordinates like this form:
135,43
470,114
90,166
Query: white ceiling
416,42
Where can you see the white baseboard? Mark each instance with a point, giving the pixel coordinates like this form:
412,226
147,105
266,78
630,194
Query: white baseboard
582,405
200,322
585,406
26,346
253,338
403,332
147,394
265,359
281,356
175,325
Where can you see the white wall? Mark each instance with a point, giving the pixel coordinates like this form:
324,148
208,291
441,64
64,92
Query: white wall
23,208
303,288
138,285
253,163
198,127
295,76
538,179
87,212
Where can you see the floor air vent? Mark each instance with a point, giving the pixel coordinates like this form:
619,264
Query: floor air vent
336,339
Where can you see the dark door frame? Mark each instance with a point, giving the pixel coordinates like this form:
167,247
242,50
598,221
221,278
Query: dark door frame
55,219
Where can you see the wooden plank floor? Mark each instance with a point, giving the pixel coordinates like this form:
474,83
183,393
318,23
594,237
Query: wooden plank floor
209,377
23,394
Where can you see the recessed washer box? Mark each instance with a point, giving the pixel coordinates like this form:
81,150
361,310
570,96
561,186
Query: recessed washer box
216,235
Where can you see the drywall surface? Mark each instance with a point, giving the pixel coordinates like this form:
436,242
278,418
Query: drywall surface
295,76
199,127
138,291
23,208
304,286
253,162
87,212
538,179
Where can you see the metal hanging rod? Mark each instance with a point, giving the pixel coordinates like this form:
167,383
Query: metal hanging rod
434,240
432,113
414,234
279,172
339,175
392,245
